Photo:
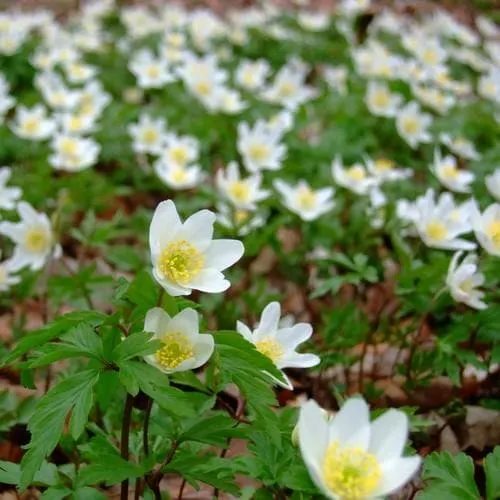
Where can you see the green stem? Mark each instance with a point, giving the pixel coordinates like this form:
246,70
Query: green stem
127,416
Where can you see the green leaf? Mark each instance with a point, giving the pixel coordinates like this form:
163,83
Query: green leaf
137,344
46,423
449,477
492,471
87,493
56,493
214,430
143,291
10,473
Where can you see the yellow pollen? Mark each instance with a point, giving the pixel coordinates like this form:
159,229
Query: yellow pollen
179,175
76,70
68,147
153,71
58,98
380,98
176,348
351,473
240,216
36,240
258,152
306,198
411,125
203,88
460,142
31,125
150,136
270,348
356,173
383,165
179,155
75,123
248,77
449,172
180,262
493,232
467,286
430,57
436,230
286,89
239,191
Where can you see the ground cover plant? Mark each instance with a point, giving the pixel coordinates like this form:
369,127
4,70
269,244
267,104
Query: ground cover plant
249,255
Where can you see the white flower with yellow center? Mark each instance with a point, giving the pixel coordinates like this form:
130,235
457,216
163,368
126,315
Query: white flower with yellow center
33,123
412,124
336,78
244,194
446,170
313,21
460,146
488,85
430,53
463,280
439,224
383,169
381,101
179,177
148,135
280,344
184,256
183,347
92,99
434,98
281,122
229,101
180,150
350,458
55,92
238,220
79,72
76,123
6,101
33,237
251,75
492,182
8,195
260,147
307,203
72,153
7,276
355,178
149,70
486,226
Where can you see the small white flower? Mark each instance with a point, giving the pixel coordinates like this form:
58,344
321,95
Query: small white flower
487,228
148,134
7,276
412,124
183,347
381,101
384,170
313,21
492,182
76,123
54,91
336,78
460,146
8,195
244,194
179,177
281,122
440,224
238,220
180,150
488,85
434,98
78,72
279,344
73,153
33,237
463,279
260,147
229,101
251,75
307,203
445,169
184,256
150,71
348,456
33,123
355,178
92,99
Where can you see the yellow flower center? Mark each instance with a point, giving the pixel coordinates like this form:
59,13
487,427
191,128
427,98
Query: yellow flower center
351,473
430,56
436,230
68,147
180,262
411,125
176,349
153,71
460,143
248,77
36,240
493,232
270,348
383,165
179,175
239,191
31,125
77,71
356,173
467,286
240,216
258,152
179,155
150,136
380,98
306,198
203,88
286,89
449,172
75,123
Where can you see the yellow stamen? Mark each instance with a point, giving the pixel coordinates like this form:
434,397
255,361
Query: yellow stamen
383,165
411,125
150,136
449,172
179,155
240,216
180,262
239,191
270,348
68,147
31,125
203,88
176,349
258,152
153,71
380,98
179,175
493,232
356,173
436,230
306,198
36,240
286,89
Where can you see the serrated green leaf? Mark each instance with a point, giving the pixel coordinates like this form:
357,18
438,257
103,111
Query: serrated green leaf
492,471
137,344
214,430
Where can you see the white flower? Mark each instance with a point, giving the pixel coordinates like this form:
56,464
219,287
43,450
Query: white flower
430,52
439,225
32,123
179,177
412,124
279,344
184,256
381,101
492,182
487,228
281,122
229,101
92,99
313,21
238,220
460,146
8,195
55,92
434,98
260,147
354,178
251,75
150,71
463,279
384,170
73,153
348,456
445,169
307,203
244,194
148,134
78,72
183,347
7,277
33,237
180,150
76,123
488,85
336,78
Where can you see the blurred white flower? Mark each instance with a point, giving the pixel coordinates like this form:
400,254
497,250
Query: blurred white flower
55,92
33,123
177,176
381,101
446,170
148,135
73,153
434,98
486,226
460,146
151,71
280,344
251,75
355,178
412,124
492,182
383,170
7,276
313,21
76,123
336,78
463,279
180,150
488,85
8,195
241,221
78,72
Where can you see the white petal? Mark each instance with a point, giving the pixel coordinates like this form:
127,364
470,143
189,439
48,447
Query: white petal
243,329
388,435
269,319
185,322
210,281
396,473
223,253
198,229
291,337
351,425
156,320
164,226
297,360
203,349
